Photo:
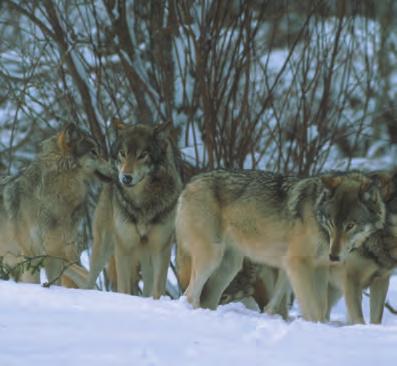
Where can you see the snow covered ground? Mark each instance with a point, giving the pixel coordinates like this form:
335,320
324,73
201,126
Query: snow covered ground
58,326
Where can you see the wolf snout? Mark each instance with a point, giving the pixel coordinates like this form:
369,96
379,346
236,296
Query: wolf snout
334,258
127,179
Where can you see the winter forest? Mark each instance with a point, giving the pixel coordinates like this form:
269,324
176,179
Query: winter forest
294,87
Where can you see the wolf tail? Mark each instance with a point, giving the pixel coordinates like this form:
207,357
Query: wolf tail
183,267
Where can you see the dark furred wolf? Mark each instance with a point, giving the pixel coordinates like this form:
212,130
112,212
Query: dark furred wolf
134,218
41,210
286,222
371,264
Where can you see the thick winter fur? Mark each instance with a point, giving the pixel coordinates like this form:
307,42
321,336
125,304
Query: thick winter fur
41,209
134,219
10,252
371,264
285,222
267,285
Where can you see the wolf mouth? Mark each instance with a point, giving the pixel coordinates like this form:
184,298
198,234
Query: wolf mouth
104,177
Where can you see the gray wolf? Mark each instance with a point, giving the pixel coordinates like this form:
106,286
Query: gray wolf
299,225
371,264
41,209
268,286
134,218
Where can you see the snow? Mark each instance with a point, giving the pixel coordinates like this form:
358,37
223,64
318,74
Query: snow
86,327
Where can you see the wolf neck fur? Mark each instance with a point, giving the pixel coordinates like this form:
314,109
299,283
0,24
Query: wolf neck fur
382,246
152,201
52,182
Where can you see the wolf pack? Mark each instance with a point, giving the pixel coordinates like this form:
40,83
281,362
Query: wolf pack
238,233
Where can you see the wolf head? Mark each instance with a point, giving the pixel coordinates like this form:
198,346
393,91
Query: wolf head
350,209
79,147
139,151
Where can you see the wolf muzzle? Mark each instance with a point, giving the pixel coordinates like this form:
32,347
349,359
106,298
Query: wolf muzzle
127,180
334,258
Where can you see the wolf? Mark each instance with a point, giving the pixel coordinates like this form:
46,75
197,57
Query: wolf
296,224
134,217
41,209
371,264
268,286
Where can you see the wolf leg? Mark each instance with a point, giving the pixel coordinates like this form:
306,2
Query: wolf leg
378,292
221,278
301,273
278,303
183,267
76,274
334,294
160,261
204,263
353,298
102,250
29,277
125,262
147,273
54,269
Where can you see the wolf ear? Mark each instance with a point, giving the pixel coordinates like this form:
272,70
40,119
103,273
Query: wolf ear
68,136
163,130
384,181
331,181
118,124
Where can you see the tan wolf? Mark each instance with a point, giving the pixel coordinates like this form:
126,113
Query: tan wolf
41,209
285,222
371,264
134,218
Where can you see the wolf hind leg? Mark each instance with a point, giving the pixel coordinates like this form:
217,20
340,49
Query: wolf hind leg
221,278
204,263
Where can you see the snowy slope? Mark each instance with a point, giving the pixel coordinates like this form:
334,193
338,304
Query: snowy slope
59,327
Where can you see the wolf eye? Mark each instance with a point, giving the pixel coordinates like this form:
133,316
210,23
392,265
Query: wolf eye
122,154
143,155
349,226
94,153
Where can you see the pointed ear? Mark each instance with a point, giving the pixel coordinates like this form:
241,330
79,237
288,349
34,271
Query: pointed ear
331,181
384,181
163,130
67,136
118,124
370,189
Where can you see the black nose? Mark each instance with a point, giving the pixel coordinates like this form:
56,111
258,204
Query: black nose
126,179
334,258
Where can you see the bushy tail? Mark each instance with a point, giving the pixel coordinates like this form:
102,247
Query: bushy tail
183,267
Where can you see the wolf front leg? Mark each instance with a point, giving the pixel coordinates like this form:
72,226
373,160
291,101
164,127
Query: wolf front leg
102,250
378,292
127,260
160,261
353,297
278,303
311,292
